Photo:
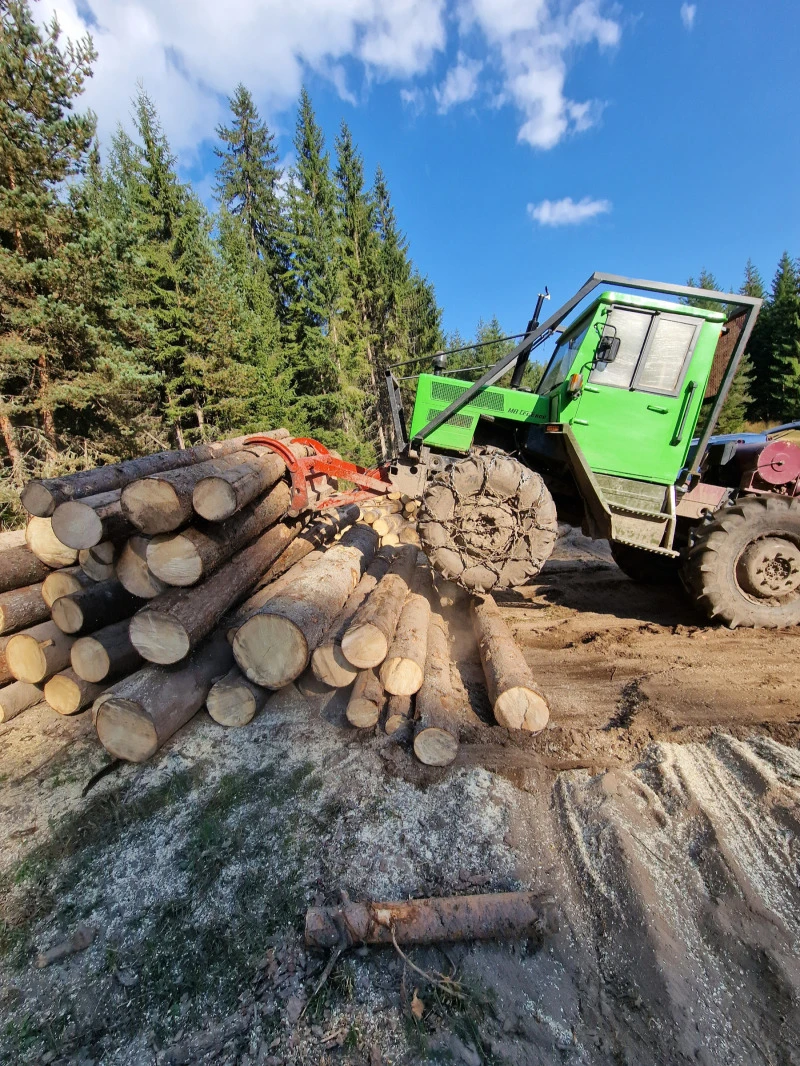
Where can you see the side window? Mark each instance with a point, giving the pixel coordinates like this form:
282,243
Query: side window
671,341
561,362
631,327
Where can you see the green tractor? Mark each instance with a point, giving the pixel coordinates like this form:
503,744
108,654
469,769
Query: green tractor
608,442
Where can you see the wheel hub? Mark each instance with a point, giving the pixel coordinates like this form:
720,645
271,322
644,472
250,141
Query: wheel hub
770,568
488,530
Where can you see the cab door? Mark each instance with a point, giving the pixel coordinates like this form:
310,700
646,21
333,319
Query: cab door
636,415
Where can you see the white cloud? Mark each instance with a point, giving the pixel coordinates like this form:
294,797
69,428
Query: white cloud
460,85
414,99
567,212
688,12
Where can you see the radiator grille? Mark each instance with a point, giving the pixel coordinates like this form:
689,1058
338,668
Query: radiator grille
457,421
446,391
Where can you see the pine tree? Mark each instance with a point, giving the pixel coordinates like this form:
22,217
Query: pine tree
783,343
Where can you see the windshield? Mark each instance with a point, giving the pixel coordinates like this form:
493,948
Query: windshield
561,361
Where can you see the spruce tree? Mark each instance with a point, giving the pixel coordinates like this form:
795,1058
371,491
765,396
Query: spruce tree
783,342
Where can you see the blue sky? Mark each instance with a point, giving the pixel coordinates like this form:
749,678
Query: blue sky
526,142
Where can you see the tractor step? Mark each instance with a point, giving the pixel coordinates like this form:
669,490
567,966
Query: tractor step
668,552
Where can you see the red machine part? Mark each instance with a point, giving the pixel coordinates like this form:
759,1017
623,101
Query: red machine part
304,470
774,466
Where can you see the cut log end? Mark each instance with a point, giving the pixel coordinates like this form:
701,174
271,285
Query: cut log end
520,708
435,747
214,499
152,505
133,571
66,693
125,731
289,652
174,560
38,500
362,713
98,562
365,645
233,701
159,638
77,525
90,660
401,676
67,615
332,667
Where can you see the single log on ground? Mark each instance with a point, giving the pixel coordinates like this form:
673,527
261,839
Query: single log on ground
5,673
62,582
133,571
98,562
370,632
366,701
139,714
45,545
21,608
67,693
493,916
42,497
99,605
274,646
403,669
106,653
84,523
18,697
38,653
517,700
19,566
398,714
437,727
328,661
233,700
322,531
221,494
173,623
185,558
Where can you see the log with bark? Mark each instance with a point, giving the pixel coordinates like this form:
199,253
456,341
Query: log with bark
62,582
106,653
38,653
133,571
67,693
391,523
46,546
98,562
137,715
19,566
221,494
403,670
41,497
84,523
11,538
328,661
18,697
22,608
399,712
185,558
366,700
321,531
94,607
517,701
370,632
234,701
274,646
437,728
168,627
5,673
491,916
231,623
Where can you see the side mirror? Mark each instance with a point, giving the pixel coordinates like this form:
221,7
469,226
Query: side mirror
607,349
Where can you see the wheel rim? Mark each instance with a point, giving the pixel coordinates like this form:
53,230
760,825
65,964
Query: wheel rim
768,570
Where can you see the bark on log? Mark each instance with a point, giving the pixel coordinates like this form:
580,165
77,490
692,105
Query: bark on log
274,646
492,916
41,497
62,582
321,531
437,727
220,495
370,632
22,608
253,604
67,693
139,714
106,653
11,538
403,670
366,701
18,697
399,710
234,701
173,623
98,562
45,545
517,701
20,567
328,661
5,673
38,653
133,571
84,523
94,607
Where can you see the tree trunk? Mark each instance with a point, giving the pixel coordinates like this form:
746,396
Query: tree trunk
517,701
185,558
438,716
38,653
60,583
366,700
369,634
403,669
173,623
133,571
493,916
139,714
332,521
275,645
106,653
19,566
218,496
233,700
84,523
18,697
45,545
94,607
328,662
399,711
48,422
67,693
98,562
21,608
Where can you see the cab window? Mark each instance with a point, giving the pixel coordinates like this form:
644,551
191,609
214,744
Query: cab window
565,352
631,327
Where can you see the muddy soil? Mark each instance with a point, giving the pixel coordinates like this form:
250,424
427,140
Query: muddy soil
659,812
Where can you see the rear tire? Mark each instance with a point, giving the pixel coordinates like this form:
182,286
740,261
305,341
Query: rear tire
744,567
647,568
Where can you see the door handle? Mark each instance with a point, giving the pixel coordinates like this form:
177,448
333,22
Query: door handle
685,413
658,410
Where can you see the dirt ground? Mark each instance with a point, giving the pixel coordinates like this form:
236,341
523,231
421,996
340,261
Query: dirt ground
658,814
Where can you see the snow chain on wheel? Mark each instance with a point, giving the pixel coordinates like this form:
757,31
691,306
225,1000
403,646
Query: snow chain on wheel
744,566
488,522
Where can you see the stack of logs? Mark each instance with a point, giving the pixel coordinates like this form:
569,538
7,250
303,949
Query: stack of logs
151,587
